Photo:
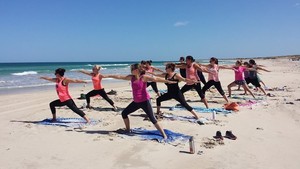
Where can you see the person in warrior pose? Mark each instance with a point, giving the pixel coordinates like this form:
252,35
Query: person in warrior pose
98,88
141,98
62,89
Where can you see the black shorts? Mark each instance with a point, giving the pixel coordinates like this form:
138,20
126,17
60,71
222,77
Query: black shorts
255,82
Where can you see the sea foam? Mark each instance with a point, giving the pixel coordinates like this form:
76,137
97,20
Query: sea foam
25,73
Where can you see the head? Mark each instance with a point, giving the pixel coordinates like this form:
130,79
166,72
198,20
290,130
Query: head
149,62
60,72
170,67
189,59
181,59
214,60
252,62
96,68
238,63
246,64
136,69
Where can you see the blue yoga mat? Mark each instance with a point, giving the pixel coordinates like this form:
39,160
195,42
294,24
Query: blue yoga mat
155,135
68,122
186,118
246,98
203,110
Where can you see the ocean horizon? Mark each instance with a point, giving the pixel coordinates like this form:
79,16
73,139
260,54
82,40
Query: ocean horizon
26,74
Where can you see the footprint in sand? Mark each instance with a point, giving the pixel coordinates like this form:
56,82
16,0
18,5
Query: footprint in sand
211,143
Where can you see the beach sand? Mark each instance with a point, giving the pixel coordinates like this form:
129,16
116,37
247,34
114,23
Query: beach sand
268,135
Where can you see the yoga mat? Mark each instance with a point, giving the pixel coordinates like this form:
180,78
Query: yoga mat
155,135
203,110
246,98
186,118
68,122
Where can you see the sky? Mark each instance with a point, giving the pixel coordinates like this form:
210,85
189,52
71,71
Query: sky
131,30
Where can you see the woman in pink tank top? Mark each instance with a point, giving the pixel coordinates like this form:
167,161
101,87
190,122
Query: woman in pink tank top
239,70
141,98
191,73
98,89
62,90
213,77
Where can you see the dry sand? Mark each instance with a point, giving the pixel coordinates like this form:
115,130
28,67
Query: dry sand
268,135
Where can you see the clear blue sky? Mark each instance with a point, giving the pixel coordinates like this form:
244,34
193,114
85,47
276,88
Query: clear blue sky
123,30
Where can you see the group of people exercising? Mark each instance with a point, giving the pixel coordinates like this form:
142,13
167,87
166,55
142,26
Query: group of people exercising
144,74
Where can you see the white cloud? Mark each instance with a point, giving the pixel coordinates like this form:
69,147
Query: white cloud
180,23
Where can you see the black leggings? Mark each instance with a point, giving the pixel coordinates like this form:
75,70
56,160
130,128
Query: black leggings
196,86
153,85
201,76
178,96
70,103
213,83
101,92
133,106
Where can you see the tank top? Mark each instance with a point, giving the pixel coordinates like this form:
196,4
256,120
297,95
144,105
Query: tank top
213,73
97,82
253,74
191,73
172,88
62,91
239,73
139,90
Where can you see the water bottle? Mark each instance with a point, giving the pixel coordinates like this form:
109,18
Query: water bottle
84,105
192,145
214,115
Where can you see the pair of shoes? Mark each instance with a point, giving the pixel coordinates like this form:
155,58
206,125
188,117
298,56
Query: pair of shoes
218,135
230,135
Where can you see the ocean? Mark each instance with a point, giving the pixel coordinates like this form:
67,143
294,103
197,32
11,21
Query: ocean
26,75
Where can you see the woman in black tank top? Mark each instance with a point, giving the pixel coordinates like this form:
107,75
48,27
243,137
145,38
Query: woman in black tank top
173,90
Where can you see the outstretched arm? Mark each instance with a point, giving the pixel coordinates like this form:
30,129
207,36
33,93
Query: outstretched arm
180,65
198,67
260,68
128,77
154,68
48,78
86,72
67,80
180,78
156,79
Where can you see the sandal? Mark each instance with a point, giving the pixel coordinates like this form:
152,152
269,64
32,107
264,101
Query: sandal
230,136
218,135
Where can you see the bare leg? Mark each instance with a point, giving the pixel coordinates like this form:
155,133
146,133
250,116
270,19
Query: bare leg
86,119
127,124
161,130
247,89
229,88
53,118
194,113
262,90
205,102
158,110
225,97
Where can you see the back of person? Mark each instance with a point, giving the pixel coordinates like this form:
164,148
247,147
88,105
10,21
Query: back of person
139,90
253,74
62,91
172,88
